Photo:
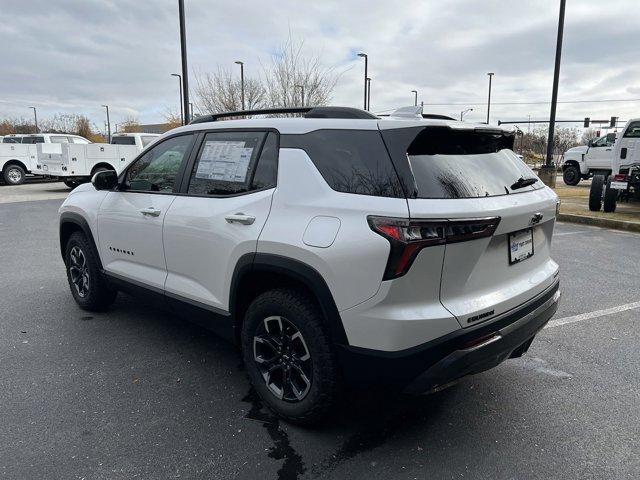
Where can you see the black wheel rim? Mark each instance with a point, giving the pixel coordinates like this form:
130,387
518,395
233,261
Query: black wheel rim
79,271
283,359
570,175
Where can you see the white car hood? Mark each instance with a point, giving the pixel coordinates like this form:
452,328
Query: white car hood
579,149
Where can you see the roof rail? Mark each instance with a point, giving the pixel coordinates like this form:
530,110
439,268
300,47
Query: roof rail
309,112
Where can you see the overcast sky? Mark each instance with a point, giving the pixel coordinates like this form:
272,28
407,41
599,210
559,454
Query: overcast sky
73,56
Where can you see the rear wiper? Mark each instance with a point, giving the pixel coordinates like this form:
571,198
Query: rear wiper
523,182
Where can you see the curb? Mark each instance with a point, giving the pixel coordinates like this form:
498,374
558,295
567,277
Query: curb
599,222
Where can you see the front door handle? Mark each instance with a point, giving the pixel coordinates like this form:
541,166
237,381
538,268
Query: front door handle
152,212
240,218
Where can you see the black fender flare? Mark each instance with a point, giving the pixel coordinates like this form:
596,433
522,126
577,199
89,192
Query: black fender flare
67,218
298,271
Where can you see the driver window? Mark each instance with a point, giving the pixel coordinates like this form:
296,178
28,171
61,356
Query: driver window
157,169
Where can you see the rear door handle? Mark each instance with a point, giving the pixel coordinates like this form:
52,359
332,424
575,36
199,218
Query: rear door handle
152,212
240,218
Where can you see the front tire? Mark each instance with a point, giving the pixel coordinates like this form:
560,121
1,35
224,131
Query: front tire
71,183
595,194
289,356
13,175
610,198
571,175
89,288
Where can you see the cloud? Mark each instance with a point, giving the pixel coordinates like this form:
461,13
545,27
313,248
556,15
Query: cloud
73,56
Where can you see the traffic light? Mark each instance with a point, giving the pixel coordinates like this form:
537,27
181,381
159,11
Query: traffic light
613,122
587,121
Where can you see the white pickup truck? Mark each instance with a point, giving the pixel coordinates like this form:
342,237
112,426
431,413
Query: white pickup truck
18,153
585,161
76,164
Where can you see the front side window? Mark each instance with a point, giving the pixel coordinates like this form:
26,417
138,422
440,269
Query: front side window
157,169
147,140
79,140
59,139
633,131
32,139
226,161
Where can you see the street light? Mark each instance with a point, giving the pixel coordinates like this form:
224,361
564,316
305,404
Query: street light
108,124
184,84
366,61
368,93
548,174
180,100
415,98
301,87
462,113
491,74
190,109
238,62
35,118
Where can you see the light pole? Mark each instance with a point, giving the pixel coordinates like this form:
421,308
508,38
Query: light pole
108,124
415,98
184,85
366,62
35,118
462,113
489,99
191,109
180,100
368,93
301,87
547,172
238,62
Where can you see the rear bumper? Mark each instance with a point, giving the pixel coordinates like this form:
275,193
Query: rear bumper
463,352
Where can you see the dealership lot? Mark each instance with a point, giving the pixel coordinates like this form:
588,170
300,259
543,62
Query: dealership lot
138,392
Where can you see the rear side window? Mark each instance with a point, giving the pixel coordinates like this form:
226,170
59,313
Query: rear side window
446,163
123,141
351,161
227,161
32,140
633,131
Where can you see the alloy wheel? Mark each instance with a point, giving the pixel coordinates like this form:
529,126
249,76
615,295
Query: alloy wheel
283,359
79,271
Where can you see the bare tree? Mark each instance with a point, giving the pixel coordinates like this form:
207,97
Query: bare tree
222,92
130,125
588,135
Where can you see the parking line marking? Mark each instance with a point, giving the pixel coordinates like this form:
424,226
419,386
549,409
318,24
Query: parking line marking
562,234
587,316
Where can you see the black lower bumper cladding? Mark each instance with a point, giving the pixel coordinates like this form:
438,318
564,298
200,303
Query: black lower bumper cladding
434,364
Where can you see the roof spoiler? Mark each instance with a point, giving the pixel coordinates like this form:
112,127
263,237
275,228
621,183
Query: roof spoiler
309,112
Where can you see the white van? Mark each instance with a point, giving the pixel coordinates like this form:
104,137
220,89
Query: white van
18,153
75,164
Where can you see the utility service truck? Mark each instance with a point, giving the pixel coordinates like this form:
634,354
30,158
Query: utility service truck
586,161
19,153
624,181
76,164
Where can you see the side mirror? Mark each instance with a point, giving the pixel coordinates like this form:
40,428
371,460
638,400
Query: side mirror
105,180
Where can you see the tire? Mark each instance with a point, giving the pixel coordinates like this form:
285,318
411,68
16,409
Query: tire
13,174
610,198
71,183
88,286
293,312
595,194
571,175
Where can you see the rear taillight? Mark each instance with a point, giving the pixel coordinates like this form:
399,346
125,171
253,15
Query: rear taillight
408,237
620,177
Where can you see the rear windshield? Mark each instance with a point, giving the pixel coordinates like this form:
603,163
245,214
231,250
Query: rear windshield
123,141
446,163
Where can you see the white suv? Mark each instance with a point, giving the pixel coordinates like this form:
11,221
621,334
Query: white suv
335,249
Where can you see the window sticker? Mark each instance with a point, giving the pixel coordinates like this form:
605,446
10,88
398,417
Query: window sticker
224,160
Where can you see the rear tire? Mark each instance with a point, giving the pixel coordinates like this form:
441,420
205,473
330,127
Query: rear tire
571,175
282,327
595,194
13,174
88,286
610,198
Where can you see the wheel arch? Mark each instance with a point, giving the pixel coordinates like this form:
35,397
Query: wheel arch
106,165
570,163
15,161
70,223
259,272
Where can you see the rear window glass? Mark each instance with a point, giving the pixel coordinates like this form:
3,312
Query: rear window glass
351,161
123,140
465,164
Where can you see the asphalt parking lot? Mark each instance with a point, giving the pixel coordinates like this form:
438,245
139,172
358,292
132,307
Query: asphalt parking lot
138,393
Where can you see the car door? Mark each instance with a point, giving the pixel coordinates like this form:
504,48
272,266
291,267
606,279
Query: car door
600,154
224,203
130,218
